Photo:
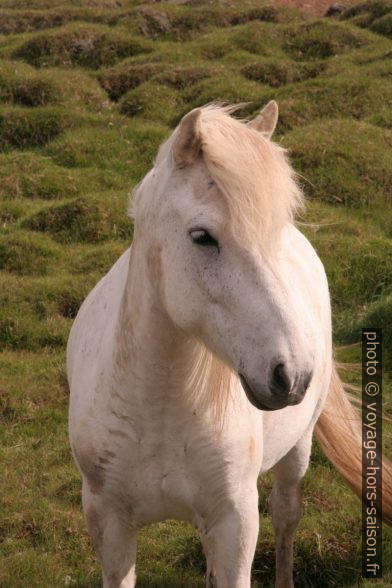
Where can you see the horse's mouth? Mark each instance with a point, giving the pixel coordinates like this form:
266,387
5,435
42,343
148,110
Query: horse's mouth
251,396
253,399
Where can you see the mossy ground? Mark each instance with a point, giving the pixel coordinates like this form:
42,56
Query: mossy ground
88,90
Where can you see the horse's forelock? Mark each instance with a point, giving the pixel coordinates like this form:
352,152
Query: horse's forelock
251,172
253,175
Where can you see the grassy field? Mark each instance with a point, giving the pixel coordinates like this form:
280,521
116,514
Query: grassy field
88,90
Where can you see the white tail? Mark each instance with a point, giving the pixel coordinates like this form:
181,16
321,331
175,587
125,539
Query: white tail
339,432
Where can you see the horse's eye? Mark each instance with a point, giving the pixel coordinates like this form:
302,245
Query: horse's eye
203,238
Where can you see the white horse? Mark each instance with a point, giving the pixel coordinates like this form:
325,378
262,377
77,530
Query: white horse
204,357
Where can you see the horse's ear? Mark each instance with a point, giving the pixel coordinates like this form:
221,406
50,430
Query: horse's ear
188,141
266,121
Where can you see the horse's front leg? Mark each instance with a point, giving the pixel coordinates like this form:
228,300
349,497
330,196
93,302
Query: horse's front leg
286,507
229,545
113,539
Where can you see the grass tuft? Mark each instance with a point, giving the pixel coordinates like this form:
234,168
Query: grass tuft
280,72
180,22
166,107
22,253
117,81
21,128
232,89
383,25
344,162
21,84
323,39
87,46
25,174
81,219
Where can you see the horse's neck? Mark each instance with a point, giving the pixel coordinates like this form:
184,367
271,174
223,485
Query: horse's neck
154,359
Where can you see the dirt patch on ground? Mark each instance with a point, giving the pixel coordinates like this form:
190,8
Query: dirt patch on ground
316,7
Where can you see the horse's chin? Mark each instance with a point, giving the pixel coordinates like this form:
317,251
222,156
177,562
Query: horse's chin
263,404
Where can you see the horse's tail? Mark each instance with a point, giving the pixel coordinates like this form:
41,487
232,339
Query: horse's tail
339,433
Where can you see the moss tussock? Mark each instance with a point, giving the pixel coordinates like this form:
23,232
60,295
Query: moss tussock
24,253
19,85
167,106
378,314
22,85
376,16
22,21
24,174
22,129
180,22
350,96
90,47
35,312
117,81
337,167
280,72
82,219
323,39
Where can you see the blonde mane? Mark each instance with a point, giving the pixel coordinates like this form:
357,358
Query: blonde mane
253,175
210,384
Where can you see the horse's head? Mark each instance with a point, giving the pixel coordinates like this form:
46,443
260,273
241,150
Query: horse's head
213,214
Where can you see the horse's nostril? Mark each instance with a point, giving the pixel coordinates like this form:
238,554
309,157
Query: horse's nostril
280,379
303,385
307,378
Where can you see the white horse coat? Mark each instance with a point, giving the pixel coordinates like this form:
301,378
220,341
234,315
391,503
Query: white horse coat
160,425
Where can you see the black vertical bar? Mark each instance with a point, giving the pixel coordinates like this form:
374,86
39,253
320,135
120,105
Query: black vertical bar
371,453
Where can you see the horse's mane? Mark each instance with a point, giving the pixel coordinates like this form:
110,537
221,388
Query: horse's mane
253,175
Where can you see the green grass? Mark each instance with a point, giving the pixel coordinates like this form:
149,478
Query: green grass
377,16
21,128
88,91
344,161
165,108
90,47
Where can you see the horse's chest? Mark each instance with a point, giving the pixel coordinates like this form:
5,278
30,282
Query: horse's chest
157,485
179,475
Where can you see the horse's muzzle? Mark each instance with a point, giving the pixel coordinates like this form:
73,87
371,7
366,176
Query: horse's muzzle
280,394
